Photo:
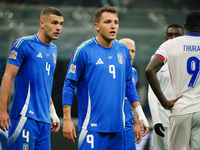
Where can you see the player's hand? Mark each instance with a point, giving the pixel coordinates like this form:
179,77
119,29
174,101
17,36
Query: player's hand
4,120
159,129
138,133
144,129
169,104
55,121
55,127
69,131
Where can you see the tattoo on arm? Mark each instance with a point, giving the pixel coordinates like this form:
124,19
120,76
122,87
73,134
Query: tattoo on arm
67,112
65,106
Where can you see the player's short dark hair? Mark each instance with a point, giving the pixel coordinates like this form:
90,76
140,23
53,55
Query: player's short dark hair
174,25
51,10
99,12
193,20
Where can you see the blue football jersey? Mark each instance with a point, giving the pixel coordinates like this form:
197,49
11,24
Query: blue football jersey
101,75
33,82
127,104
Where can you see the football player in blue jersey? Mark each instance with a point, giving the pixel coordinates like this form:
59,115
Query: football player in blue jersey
101,70
32,63
131,118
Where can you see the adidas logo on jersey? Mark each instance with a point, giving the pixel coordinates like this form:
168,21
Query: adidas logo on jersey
99,61
39,55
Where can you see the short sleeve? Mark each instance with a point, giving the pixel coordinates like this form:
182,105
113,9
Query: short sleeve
18,53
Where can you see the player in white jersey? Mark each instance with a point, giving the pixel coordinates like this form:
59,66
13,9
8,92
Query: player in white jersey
101,70
160,116
32,63
183,57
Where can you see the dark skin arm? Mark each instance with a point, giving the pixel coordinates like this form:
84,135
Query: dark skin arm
152,68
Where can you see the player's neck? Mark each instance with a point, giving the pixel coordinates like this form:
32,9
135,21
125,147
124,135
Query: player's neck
43,38
103,42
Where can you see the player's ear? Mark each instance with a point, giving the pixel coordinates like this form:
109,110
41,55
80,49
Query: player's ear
185,25
42,24
96,25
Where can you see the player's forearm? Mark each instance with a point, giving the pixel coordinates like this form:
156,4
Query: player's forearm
68,91
67,112
5,91
154,83
151,70
135,116
136,105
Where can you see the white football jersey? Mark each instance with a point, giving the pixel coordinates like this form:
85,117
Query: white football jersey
183,57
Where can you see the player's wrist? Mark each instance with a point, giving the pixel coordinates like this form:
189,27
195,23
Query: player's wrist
53,114
141,115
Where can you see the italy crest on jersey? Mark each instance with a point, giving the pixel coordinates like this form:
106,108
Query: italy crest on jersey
120,58
25,146
54,57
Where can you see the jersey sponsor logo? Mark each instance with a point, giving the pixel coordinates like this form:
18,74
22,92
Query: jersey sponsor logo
99,61
13,54
120,58
109,57
39,55
72,68
54,58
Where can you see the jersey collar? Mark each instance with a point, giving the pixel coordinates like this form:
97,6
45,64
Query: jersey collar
192,34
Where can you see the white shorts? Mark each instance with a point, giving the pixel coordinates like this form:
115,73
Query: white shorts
185,132
160,143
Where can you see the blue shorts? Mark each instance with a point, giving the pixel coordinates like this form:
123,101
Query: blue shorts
129,139
90,140
26,133
3,139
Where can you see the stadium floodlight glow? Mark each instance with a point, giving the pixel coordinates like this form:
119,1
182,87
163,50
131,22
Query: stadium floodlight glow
11,25
10,15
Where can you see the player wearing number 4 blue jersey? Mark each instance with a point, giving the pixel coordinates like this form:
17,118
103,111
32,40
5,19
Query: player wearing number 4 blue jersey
183,57
101,70
32,63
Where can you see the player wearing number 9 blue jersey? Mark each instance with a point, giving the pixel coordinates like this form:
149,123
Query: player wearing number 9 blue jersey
32,63
98,88
183,57
101,70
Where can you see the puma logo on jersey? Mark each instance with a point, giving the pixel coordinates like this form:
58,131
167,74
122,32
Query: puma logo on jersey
99,61
39,55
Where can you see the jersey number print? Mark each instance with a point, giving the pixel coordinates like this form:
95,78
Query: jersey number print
193,69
